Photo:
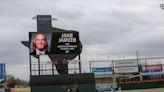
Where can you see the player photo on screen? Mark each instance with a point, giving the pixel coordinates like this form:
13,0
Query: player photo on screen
40,43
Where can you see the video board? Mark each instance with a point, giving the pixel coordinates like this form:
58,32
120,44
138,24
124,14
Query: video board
54,43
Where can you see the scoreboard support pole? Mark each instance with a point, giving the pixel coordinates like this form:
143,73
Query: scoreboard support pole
79,64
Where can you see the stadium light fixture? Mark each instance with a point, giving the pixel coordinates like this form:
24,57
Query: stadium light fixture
162,6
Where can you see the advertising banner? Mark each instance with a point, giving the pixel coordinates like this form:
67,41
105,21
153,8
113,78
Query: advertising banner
101,63
105,70
106,86
152,70
120,70
1,71
153,67
123,63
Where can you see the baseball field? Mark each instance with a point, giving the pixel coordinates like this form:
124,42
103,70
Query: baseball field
145,90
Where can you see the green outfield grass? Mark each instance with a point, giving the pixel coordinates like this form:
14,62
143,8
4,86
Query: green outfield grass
145,90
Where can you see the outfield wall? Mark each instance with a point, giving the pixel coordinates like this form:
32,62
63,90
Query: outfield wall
17,90
141,85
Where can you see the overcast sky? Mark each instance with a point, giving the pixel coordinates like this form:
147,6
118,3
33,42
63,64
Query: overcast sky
109,29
